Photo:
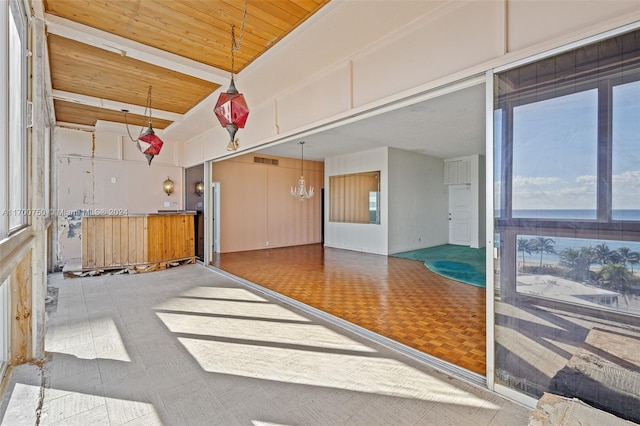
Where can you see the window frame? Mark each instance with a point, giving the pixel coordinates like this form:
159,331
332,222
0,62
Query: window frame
604,181
507,228
16,208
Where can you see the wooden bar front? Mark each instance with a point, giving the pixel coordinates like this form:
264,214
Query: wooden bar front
123,241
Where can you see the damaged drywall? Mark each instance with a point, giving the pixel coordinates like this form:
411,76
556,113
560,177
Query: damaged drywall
101,174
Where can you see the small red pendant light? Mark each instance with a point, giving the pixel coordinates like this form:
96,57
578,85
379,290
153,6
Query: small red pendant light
147,142
232,112
231,108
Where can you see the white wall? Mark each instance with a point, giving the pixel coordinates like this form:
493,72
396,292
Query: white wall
85,182
453,38
418,201
365,237
326,70
413,202
561,18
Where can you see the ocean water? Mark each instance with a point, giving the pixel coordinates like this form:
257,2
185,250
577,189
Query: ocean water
562,243
576,214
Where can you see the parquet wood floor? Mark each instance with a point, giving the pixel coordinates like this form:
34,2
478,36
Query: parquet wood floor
396,298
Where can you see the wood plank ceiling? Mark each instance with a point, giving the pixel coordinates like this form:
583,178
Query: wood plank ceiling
92,81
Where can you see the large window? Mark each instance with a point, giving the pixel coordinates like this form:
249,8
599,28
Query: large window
14,181
567,221
625,138
13,144
554,159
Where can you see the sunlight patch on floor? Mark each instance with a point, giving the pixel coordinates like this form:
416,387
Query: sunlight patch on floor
381,376
231,307
93,339
227,293
64,407
22,406
311,335
307,354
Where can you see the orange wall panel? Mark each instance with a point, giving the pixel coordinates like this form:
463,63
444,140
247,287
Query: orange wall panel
243,196
257,210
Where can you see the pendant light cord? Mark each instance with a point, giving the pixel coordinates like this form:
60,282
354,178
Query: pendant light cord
147,109
302,159
127,126
235,44
148,106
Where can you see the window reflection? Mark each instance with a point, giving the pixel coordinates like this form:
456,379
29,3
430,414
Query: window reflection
567,291
596,273
374,207
625,195
555,148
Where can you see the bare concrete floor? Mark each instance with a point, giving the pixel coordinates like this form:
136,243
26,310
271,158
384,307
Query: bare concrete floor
188,346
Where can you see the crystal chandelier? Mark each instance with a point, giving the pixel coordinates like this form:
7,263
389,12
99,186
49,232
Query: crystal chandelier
300,192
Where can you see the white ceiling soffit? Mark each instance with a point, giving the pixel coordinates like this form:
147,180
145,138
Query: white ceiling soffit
445,126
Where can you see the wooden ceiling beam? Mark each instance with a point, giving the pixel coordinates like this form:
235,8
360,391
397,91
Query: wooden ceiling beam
103,54
132,49
69,112
113,105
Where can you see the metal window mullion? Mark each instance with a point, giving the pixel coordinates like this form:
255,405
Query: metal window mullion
490,178
604,167
506,202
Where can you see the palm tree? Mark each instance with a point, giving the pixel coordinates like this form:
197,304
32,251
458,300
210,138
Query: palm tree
578,261
525,246
617,275
603,253
633,259
570,258
615,257
544,245
623,255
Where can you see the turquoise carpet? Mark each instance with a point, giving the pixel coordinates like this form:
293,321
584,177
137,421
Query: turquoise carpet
460,263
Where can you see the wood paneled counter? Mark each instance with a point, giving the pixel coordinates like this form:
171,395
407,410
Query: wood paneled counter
136,240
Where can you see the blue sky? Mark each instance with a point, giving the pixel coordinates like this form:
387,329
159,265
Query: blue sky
555,151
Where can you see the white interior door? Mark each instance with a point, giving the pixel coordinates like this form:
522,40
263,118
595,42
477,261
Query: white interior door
460,215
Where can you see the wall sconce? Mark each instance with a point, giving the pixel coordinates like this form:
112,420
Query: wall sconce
168,186
200,188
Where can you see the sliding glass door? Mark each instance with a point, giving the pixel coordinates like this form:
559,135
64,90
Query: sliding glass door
567,222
